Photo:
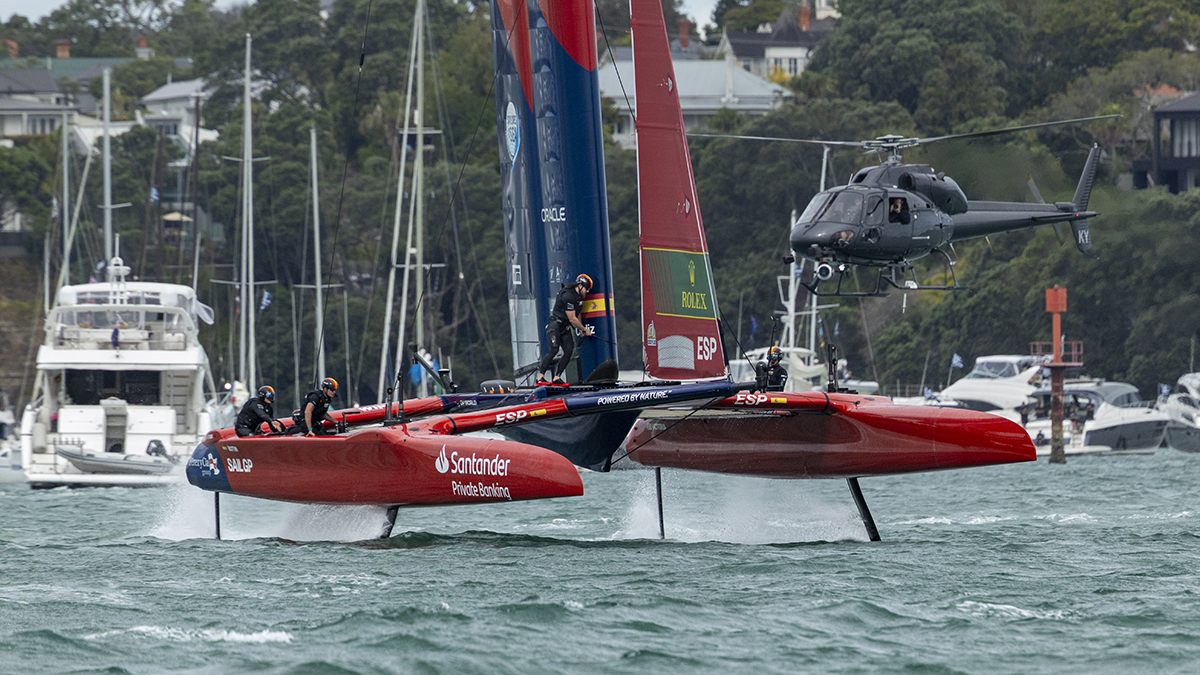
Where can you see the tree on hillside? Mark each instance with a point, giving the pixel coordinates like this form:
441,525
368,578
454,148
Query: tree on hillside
1073,35
892,50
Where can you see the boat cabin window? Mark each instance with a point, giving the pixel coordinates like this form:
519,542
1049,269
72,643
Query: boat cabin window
990,370
137,387
1129,400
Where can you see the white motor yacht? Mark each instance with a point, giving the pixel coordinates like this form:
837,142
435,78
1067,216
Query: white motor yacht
1101,417
1001,384
122,388
1183,407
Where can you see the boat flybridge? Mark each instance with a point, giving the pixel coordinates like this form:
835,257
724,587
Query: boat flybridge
123,389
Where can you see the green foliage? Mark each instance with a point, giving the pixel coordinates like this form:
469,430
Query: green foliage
23,173
750,16
1134,305
1073,35
910,52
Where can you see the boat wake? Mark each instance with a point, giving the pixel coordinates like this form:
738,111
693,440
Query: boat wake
738,510
187,513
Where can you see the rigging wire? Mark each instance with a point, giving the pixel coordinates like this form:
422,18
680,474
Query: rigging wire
337,222
474,136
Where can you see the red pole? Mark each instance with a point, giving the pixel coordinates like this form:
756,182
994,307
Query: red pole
1056,304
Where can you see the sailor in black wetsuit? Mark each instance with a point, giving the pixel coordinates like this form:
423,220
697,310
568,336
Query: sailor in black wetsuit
770,374
315,409
256,411
567,308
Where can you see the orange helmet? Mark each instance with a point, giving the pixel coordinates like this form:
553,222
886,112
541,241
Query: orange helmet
329,383
585,280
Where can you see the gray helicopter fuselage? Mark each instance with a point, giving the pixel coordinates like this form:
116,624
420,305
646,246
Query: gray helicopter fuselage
858,224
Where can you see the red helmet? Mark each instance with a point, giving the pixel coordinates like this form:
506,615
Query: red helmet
329,383
585,280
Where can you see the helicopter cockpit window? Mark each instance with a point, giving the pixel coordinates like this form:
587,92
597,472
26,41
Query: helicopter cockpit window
843,207
814,207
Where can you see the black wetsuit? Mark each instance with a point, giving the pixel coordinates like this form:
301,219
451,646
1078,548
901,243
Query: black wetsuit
253,414
320,407
770,378
558,330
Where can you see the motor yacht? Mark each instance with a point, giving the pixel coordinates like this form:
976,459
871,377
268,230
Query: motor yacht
1100,417
1182,405
122,388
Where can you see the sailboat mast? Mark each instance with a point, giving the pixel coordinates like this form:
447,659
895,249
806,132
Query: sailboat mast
419,185
247,157
66,199
395,227
320,308
108,230
252,345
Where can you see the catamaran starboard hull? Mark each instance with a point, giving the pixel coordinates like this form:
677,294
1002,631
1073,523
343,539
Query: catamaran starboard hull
867,440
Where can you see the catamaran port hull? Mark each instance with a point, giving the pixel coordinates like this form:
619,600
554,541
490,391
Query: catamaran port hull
384,466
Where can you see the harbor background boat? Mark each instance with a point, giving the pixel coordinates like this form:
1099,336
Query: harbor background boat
1087,567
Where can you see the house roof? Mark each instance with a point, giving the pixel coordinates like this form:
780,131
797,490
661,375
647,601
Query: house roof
175,90
19,105
83,68
785,32
26,81
1187,104
702,86
695,50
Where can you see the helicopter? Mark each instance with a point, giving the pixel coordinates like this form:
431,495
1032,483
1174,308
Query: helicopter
891,214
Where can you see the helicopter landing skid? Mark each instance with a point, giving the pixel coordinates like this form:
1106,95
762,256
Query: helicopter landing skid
888,276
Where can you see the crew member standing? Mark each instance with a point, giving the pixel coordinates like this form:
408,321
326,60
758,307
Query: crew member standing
567,308
770,374
256,411
315,408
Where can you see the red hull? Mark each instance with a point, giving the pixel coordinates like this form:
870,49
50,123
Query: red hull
384,466
875,438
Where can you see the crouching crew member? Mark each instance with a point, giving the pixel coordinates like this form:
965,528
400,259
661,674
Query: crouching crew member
256,411
567,308
315,408
770,375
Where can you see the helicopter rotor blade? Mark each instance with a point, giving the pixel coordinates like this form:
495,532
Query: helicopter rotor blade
993,132
1037,194
849,144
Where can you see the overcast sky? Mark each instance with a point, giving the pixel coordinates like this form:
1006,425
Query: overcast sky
699,10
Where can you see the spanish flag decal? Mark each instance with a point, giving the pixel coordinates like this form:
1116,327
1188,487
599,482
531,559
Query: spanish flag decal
596,305
778,399
537,413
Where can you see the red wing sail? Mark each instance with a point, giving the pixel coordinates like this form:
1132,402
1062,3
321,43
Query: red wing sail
681,338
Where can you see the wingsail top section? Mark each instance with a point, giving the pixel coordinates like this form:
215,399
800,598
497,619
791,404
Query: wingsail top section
520,179
681,337
570,153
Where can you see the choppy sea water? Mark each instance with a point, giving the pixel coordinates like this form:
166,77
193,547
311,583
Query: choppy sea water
1084,568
